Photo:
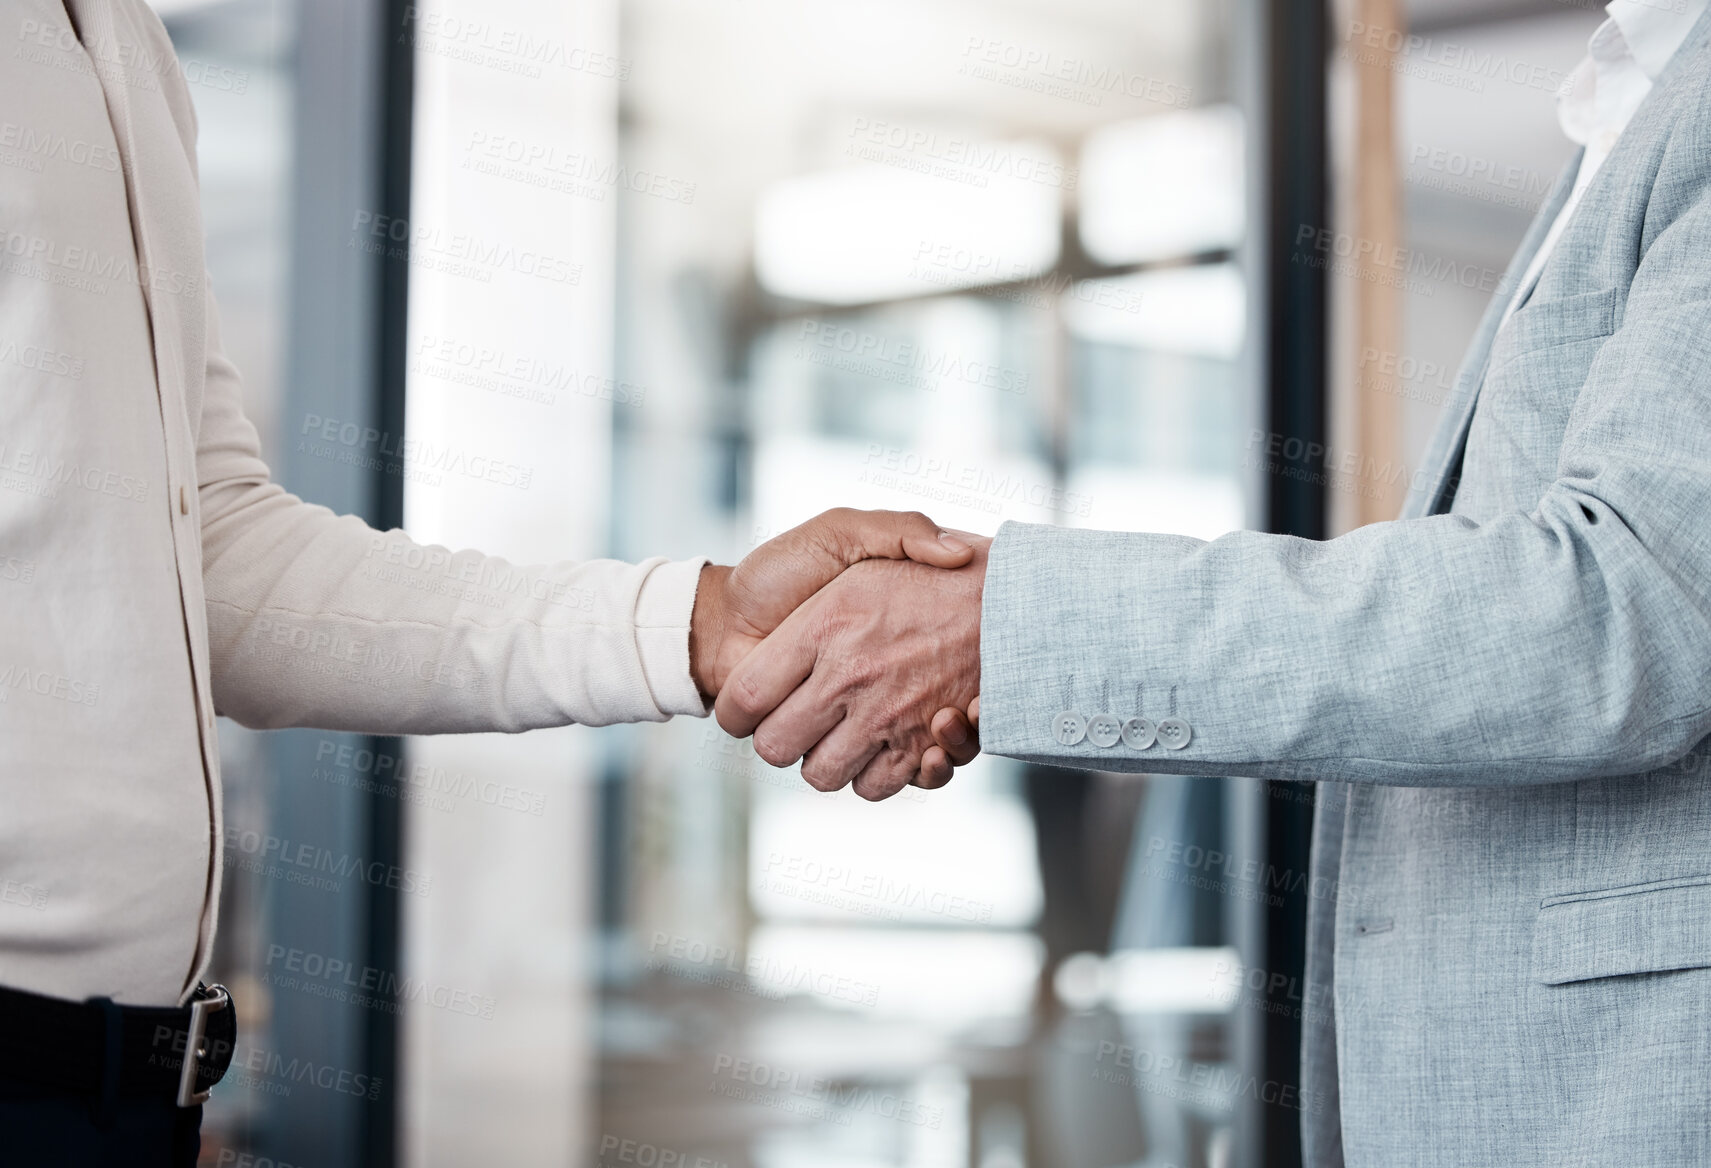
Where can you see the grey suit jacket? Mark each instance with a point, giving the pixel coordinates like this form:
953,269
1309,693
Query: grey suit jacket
1504,696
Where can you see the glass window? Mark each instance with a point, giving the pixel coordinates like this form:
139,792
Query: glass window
974,264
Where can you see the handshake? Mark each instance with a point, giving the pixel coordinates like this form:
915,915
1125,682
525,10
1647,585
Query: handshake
851,643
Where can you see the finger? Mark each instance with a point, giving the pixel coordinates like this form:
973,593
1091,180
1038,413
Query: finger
936,769
766,676
796,726
894,535
788,569
974,712
926,542
890,770
955,735
838,758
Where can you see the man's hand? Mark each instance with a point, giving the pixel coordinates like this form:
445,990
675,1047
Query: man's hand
957,740
851,682
735,608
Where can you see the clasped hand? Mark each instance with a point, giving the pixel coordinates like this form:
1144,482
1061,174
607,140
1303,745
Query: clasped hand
851,643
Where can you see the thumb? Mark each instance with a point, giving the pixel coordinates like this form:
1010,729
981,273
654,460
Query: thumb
785,571
851,536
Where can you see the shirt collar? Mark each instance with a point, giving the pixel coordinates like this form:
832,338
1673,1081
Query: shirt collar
1654,29
1627,53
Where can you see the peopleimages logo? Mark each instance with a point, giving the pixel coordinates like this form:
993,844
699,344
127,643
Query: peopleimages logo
135,65
1465,66
1480,178
365,985
47,684
1055,75
232,1158
44,474
41,360
904,362
394,774
483,573
88,268
516,375
1212,1085
866,893
723,965
780,1086
545,165
966,160
353,658
260,853
1390,263
54,147
945,480
504,48
423,458
456,253
615,1150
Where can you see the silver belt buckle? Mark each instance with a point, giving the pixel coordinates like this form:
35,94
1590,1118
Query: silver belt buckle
196,1044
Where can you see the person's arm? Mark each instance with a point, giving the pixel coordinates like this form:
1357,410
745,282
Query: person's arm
1567,641
315,619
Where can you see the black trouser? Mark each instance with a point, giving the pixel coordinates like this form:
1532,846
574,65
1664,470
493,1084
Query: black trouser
44,1128
94,1084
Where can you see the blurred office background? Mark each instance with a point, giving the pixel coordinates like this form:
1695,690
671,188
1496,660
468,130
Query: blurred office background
692,273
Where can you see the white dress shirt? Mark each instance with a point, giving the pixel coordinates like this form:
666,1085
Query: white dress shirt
151,574
1627,54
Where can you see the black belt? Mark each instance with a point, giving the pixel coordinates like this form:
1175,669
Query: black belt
103,1050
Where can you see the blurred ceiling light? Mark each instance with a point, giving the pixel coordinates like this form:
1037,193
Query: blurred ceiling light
1174,981
1200,311
1163,186
1080,981
925,218
1192,980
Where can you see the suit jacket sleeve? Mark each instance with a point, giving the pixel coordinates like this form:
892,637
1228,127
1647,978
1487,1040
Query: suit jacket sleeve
1568,641
316,619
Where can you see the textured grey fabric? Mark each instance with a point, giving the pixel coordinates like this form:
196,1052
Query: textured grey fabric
1504,697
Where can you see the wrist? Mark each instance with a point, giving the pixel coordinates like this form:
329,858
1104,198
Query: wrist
709,624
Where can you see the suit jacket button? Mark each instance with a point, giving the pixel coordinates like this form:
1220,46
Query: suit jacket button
1069,728
1139,734
1104,730
1174,733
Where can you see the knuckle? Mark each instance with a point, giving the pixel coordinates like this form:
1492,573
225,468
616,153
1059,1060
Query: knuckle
839,530
771,751
888,782
895,719
733,721
820,778
835,623
857,675
745,698
876,786
893,770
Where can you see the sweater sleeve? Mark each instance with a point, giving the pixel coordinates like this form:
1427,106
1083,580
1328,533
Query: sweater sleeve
317,619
